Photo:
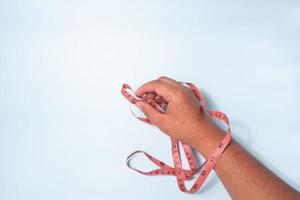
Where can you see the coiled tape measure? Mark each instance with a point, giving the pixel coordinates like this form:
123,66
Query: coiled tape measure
181,174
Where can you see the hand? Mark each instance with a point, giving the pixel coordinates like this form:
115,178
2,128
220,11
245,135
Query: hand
184,118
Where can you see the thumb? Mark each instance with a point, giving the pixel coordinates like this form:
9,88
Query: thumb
151,113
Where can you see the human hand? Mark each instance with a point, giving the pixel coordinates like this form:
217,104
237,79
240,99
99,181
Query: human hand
184,118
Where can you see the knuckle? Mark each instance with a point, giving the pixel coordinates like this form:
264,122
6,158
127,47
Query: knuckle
158,120
158,81
162,77
180,93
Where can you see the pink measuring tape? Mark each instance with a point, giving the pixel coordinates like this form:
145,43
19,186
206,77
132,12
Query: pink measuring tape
181,174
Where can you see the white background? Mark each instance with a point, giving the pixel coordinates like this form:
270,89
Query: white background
65,130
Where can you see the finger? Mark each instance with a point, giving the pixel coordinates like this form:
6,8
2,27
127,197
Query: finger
151,113
161,88
169,80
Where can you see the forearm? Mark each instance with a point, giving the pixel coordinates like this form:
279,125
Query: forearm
242,175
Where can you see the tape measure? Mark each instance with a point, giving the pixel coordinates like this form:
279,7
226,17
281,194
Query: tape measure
181,174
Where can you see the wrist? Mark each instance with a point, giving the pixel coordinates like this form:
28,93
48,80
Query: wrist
208,137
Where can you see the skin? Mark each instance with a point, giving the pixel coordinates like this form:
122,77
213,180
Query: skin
243,176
